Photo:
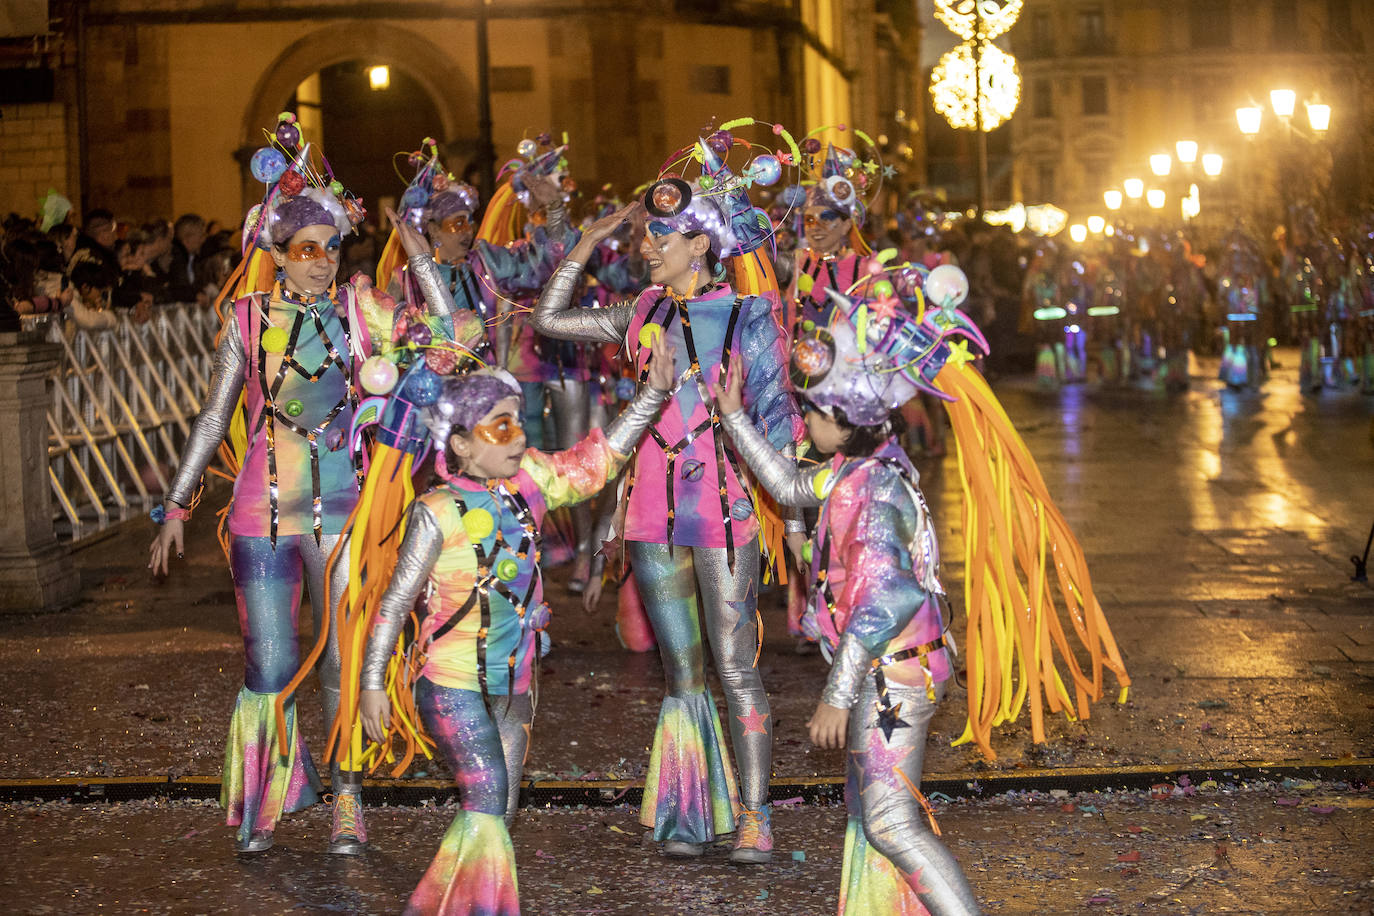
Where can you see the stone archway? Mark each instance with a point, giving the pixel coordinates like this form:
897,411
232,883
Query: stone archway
450,89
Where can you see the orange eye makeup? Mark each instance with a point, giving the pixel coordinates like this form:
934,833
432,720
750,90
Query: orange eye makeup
456,223
311,250
501,431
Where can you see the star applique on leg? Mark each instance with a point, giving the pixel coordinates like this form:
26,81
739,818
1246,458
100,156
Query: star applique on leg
754,722
890,719
878,764
744,608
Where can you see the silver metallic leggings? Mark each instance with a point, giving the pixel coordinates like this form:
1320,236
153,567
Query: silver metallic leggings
894,822
670,586
570,403
267,589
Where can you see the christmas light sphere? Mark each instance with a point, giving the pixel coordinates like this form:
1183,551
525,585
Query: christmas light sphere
378,375
946,287
267,164
765,170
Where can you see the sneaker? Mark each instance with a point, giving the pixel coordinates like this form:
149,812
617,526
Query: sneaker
257,841
677,849
753,838
348,836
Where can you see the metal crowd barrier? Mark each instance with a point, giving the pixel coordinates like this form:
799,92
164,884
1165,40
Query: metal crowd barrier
122,406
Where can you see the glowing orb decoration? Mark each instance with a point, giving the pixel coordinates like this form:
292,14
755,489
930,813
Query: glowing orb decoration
378,375
970,19
946,287
952,86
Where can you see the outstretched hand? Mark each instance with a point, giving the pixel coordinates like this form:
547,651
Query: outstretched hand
601,230
662,371
412,239
730,398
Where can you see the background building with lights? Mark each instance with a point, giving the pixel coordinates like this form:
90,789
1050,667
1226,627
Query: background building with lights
152,107
1109,83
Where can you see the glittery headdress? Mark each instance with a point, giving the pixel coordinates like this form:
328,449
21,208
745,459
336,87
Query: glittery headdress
876,353
298,194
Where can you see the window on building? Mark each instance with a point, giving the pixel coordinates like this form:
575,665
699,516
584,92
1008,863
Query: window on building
1094,95
711,80
1209,23
512,79
1042,99
1092,29
1285,25
1341,35
1042,35
1044,180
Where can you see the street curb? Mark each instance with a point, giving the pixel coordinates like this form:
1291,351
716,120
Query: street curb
810,790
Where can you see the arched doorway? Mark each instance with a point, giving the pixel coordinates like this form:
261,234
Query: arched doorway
423,77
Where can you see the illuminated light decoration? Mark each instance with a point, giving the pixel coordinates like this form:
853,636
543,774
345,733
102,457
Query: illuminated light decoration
1013,217
1191,206
1073,329
1109,231
1103,311
1078,232
1161,164
1096,224
1155,198
952,86
1134,188
1046,219
1318,115
1187,151
1052,313
1283,101
1211,164
1248,118
986,20
379,78
1112,199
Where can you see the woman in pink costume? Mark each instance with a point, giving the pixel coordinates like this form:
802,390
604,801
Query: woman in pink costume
690,525
292,348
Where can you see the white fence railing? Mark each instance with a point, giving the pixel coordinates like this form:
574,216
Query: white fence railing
122,406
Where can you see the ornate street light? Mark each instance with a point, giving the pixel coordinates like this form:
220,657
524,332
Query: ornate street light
1155,198
379,78
1078,232
1187,151
1211,164
1096,224
1160,164
1283,101
1248,118
1318,115
1112,199
1134,188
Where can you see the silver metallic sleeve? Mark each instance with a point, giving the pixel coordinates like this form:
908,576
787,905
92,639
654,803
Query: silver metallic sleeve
556,224
419,552
435,291
847,672
554,315
790,485
627,429
216,412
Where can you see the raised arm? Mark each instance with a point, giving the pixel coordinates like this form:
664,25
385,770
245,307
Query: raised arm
554,315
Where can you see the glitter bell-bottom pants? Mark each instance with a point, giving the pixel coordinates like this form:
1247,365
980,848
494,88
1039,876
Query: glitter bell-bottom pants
679,589
267,589
484,745
888,826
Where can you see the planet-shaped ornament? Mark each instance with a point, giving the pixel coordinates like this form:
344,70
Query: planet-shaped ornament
294,408
507,570
267,164
292,183
811,146
274,340
478,524
420,334
883,289
625,389
946,287
378,375
442,362
765,170
741,509
422,387
414,198
693,469
537,618
288,134
526,148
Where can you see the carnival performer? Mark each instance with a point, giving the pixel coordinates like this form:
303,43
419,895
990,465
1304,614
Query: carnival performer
472,545
690,526
291,346
876,600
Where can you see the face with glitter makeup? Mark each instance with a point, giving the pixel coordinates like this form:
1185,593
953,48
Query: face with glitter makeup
452,237
310,259
494,447
826,229
669,257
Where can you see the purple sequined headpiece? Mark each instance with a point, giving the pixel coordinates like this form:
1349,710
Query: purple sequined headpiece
453,199
466,399
289,215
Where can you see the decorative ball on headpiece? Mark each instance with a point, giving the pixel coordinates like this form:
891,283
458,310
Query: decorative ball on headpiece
875,355
463,400
433,194
297,194
538,159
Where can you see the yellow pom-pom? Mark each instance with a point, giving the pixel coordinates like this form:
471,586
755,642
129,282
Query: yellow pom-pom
479,524
820,483
649,333
804,284
274,340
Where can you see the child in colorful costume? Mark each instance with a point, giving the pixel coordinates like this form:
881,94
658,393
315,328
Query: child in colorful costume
472,546
690,526
876,594
293,348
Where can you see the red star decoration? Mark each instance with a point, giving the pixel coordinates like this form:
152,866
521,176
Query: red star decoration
754,722
884,308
